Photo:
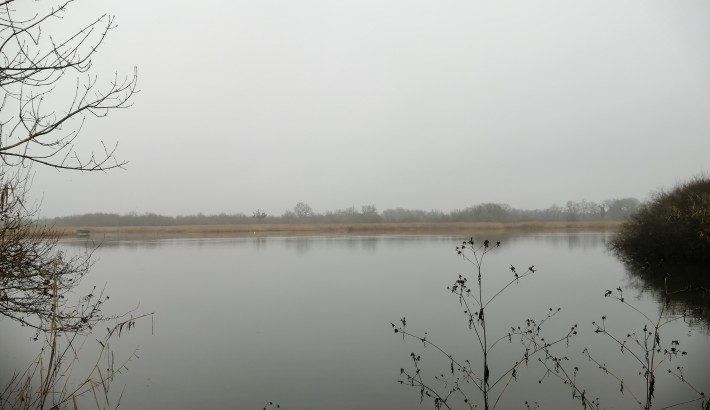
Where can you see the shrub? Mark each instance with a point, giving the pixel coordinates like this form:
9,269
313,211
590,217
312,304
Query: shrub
673,226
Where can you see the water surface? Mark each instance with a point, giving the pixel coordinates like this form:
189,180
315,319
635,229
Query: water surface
305,321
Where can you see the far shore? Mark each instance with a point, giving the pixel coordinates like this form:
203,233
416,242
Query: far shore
403,228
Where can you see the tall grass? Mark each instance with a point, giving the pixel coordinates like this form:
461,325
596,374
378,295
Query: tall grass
66,371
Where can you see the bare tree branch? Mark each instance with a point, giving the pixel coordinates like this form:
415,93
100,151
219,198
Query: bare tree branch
34,128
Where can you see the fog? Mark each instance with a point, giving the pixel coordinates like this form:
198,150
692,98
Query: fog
414,104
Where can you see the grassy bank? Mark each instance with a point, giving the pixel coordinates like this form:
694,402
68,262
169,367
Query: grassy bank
226,231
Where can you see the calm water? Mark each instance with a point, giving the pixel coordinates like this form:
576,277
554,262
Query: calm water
305,322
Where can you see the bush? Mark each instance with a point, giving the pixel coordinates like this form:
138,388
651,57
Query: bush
673,226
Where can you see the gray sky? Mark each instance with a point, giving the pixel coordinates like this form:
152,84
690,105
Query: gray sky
397,103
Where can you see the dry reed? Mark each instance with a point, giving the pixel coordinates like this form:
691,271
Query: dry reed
404,228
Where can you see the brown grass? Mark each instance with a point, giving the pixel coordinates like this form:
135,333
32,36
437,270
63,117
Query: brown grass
405,228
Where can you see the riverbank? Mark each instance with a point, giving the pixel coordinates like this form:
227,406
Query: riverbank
404,228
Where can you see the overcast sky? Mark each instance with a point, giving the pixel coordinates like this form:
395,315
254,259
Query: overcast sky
398,103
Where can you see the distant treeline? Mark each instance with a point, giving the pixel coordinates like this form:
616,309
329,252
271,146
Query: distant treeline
611,209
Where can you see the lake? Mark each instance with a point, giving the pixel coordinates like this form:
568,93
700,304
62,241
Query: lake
305,321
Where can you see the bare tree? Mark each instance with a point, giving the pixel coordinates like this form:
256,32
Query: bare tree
33,270
259,215
47,91
35,67
38,288
37,125
303,210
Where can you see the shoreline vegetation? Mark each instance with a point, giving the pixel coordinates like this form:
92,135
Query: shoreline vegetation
310,229
673,226
302,220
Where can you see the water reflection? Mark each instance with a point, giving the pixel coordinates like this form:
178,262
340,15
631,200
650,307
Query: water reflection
688,288
304,321
694,302
304,244
572,241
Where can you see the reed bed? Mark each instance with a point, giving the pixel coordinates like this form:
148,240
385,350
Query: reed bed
403,228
